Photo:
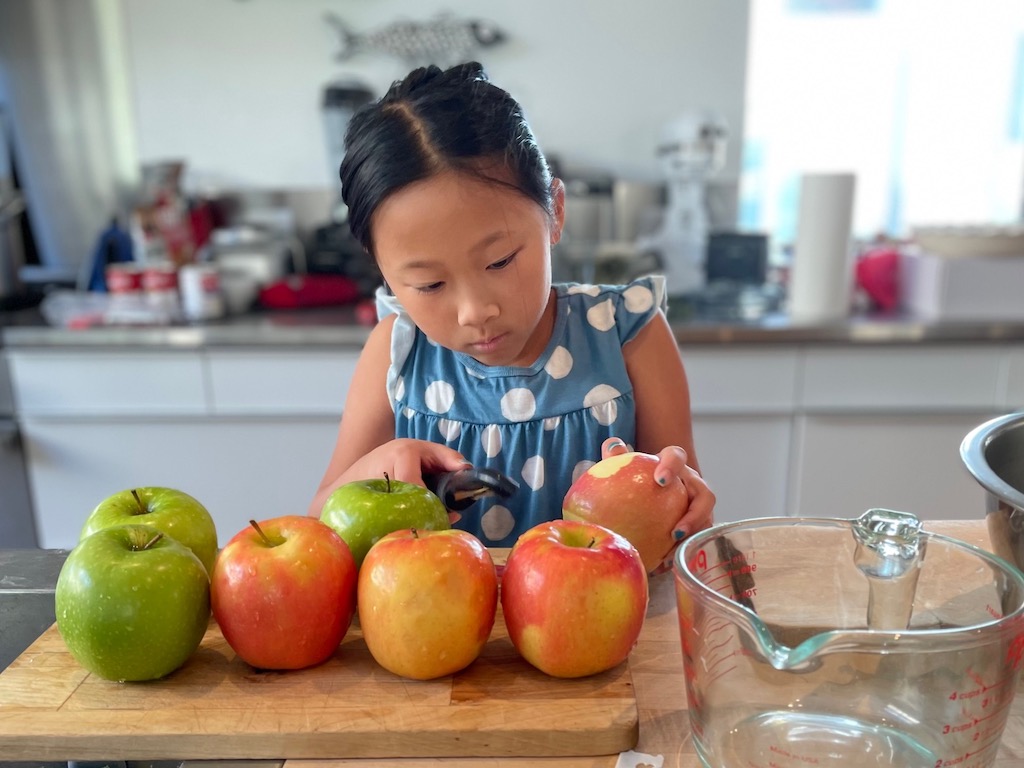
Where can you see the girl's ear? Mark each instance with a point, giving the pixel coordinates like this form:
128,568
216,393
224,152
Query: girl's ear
558,208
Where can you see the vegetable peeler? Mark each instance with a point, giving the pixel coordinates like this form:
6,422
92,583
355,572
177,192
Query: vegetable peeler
459,489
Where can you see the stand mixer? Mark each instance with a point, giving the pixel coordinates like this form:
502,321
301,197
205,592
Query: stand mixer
691,150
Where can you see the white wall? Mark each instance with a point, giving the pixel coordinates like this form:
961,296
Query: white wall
234,87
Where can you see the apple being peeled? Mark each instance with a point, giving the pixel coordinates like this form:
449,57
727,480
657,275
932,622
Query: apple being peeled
363,511
427,601
173,512
620,493
283,592
132,603
574,596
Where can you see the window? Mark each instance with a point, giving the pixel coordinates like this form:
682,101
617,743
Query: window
922,99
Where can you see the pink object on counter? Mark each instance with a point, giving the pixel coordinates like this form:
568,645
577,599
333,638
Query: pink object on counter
878,274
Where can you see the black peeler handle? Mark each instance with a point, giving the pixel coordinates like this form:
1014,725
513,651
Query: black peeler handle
459,489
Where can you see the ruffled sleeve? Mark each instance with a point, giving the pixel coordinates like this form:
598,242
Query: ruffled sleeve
403,336
638,303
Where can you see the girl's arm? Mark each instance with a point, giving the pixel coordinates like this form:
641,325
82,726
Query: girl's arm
663,423
366,445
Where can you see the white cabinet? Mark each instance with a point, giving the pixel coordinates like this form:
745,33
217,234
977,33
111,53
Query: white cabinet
846,464
279,381
240,468
247,433
745,460
940,378
832,430
91,382
782,428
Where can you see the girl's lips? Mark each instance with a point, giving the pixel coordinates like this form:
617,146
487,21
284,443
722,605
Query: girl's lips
488,345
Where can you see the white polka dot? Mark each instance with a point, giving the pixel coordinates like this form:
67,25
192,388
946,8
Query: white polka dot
638,298
518,404
439,396
449,429
497,523
590,290
490,440
409,413
602,316
400,388
580,468
533,472
552,422
559,364
601,402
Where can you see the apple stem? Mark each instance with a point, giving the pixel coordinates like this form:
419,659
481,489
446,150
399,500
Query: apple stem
415,533
153,541
592,543
266,539
138,502
388,481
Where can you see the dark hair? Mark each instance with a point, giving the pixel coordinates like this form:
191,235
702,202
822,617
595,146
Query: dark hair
435,121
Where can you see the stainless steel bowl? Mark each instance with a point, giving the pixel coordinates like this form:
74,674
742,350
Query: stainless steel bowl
994,454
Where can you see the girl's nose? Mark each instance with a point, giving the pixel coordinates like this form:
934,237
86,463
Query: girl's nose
476,308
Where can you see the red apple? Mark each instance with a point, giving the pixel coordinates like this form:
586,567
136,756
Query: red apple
574,596
620,493
427,601
283,592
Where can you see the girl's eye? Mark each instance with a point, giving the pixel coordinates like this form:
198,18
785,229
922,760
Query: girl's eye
504,262
432,288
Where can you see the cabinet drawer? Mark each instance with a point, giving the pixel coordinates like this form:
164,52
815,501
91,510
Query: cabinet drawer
1015,382
97,383
742,381
306,382
904,379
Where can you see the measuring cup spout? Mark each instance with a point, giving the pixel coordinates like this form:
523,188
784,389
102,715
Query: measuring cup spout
889,552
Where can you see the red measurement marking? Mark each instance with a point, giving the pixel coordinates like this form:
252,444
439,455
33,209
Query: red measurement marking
719,675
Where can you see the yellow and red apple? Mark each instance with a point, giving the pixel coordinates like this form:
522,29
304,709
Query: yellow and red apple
427,601
620,493
574,595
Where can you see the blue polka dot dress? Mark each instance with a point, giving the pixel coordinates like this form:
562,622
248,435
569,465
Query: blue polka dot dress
542,425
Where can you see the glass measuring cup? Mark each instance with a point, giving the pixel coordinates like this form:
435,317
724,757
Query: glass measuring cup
823,642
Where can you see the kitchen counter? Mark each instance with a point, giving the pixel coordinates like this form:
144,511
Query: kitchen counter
657,674
338,328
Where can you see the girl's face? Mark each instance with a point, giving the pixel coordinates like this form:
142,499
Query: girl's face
471,264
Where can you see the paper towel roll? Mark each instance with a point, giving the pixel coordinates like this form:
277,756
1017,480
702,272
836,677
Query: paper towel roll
820,279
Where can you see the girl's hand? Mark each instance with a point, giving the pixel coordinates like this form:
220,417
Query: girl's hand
406,460
698,512
402,459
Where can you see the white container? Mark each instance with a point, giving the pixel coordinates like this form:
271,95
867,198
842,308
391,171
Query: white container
963,288
201,297
822,273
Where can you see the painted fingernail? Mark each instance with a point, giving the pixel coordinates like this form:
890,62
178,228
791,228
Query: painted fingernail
661,480
616,444
678,535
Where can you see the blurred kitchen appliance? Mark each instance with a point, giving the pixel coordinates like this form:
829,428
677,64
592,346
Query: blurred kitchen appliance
12,212
341,100
691,150
17,524
737,257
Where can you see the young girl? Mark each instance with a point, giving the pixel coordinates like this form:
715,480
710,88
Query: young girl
477,357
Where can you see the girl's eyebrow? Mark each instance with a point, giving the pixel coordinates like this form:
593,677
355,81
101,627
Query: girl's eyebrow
483,243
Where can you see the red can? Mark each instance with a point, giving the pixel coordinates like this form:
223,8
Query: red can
124,278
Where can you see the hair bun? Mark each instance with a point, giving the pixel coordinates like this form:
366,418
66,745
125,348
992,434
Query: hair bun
415,80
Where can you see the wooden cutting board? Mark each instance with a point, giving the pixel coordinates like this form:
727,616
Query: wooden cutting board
217,706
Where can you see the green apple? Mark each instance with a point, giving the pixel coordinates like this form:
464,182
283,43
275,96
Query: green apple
364,511
132,603
172,512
